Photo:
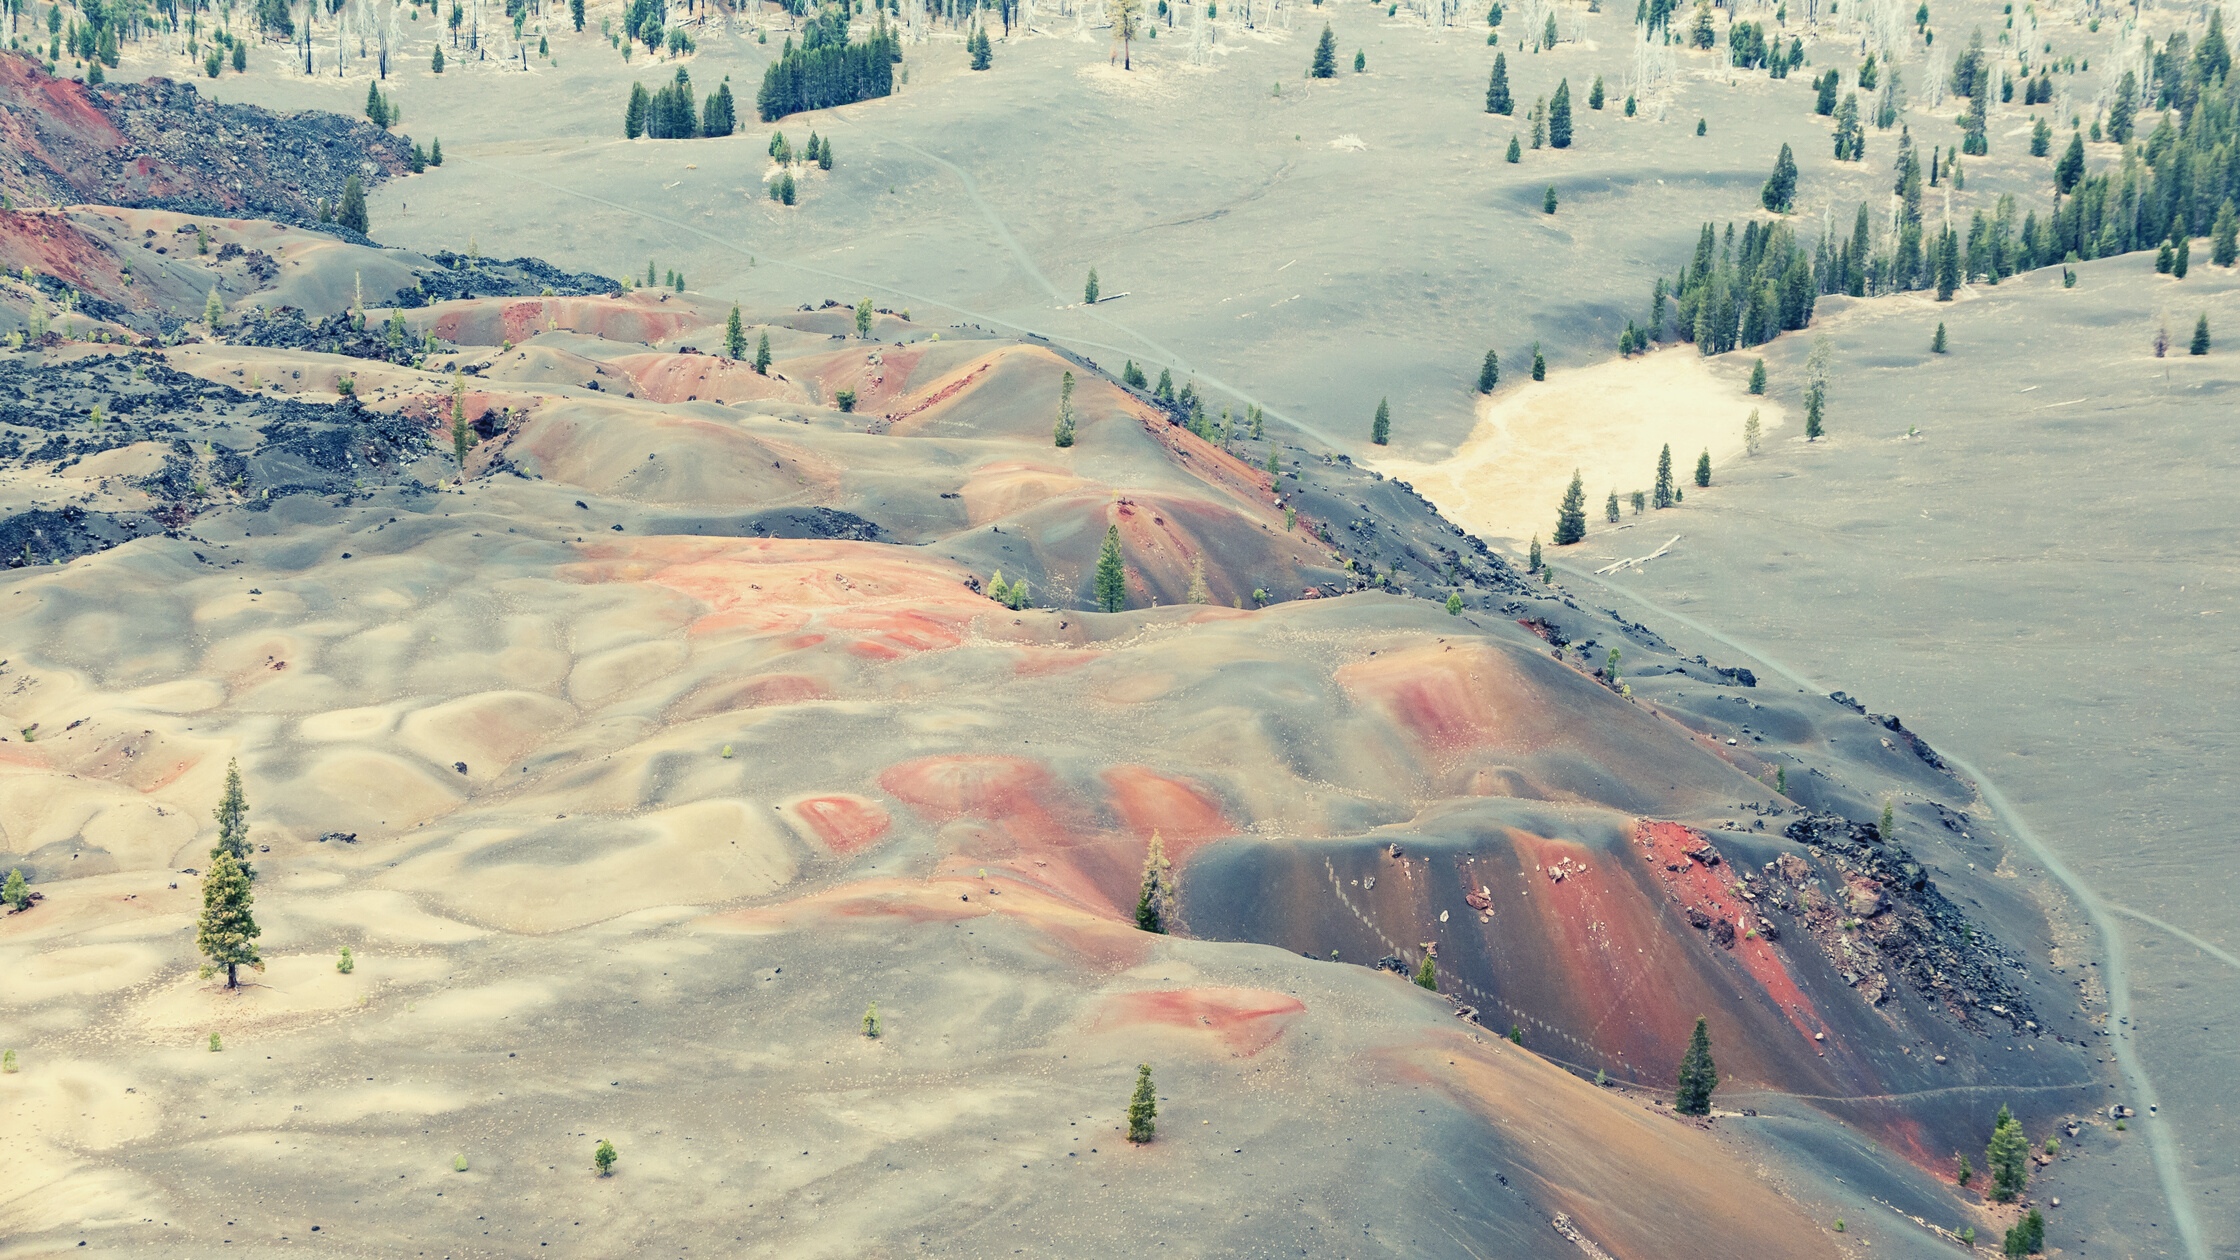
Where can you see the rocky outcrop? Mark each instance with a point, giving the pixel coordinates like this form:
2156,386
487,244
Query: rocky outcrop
162,145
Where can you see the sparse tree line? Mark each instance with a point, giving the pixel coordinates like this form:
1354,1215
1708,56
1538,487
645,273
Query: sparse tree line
671,113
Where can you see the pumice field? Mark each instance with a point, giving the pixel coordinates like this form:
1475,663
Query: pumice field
1097,628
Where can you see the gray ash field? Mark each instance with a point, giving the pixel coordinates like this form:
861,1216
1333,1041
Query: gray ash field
661,639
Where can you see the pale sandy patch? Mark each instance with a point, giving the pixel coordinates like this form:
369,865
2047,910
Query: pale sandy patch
1608,421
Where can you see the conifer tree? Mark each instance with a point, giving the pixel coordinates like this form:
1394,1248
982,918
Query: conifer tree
1143,1106
15,893
2007,1157
1594,94
2165,258
213,312
1164,390
1850,136
2224,236
1498,100
1698,1076
227,931
2070,169
435,62
1825,104
1427,976
634,114
1156,899
1532,564
1275,467
1813,415
1610,509
575,12
1703,468
1199,592
461,436
1548,35
1936,343
1360,60
1063,435
1662,495
734,336
1516,151
603,1157
1948,265
762,355
2200,335
1489,375
1750,433
1559,119
863,318
2179,264
1089,290
2041,139
1571,516
233,820
1325,55
1539,363
1112,574
352,215
1380,429
1780,192
1758,377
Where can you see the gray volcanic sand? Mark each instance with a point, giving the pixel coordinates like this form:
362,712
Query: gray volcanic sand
1314,277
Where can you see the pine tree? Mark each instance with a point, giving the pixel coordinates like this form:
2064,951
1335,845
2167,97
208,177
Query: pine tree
377,110
863,317
1750,433
1698,1076
233,820
2224,238
435,62
1490,374
762,355
213,312
1571,516
1813,415
2070,169
1275,467
15,893
1780,192
1594,94
1948,265
1360,60
1662,495
1143,1106
1825,104
1516,151
1325,55
1089,290
1532,564
575,12
2007,1157
1112,574
1063,434
227,932
634,114
2041,139
1539,363
352,215
2165,258
1559,118
1610,509
1548,35
2200,335
1156,897
1703,468
2179,264
1758,377
1936,343
1498,100
1380,429
1427,976
603,1157
734,336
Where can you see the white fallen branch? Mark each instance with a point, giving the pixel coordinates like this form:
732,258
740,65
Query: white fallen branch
1637,560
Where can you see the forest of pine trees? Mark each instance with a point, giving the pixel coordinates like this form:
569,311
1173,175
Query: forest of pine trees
827,70
1735,294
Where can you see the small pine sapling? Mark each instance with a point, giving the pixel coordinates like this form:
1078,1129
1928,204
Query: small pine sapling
1143,1107
1427,976
603,1157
